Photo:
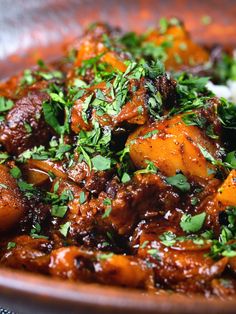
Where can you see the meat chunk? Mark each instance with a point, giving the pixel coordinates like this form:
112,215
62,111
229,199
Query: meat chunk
24,126
183,266
133,111
77,264
28,254
120,209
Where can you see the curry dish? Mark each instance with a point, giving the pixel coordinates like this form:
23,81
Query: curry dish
118,164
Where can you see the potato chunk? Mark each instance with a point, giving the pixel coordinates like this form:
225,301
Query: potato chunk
172,146
227,192
182,51
11,204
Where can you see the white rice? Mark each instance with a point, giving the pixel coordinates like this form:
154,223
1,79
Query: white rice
227,91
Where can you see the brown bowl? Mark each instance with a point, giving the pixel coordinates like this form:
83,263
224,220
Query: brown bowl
29,293
30,30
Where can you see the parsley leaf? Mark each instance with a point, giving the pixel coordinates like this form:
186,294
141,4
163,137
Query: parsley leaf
151,168
35,232
64,228
104,256
192,223
5,104
11,245
59,210
82,197
16,172
150,134
194,119
227,113
168,238
180,182
231,159
125,177
28,78
101,163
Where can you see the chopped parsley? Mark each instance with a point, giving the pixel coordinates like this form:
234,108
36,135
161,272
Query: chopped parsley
3,157
108,203
180,182
64,228
11,245
231,159
35,232
27,78
28,189
5,104
194,119
104,256
154,253
168,238
125,177
192,223
59,210
16,172
59,202
101,163
82,197
150,134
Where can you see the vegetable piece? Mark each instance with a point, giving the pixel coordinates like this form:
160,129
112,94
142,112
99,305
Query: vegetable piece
11,203
173,148
178,48
227,192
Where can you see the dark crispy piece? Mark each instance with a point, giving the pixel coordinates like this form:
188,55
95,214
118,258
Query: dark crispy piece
24,126
167,88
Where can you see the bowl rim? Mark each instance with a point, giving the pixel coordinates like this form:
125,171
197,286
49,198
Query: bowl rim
61,295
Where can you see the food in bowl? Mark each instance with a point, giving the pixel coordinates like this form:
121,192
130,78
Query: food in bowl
118,164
